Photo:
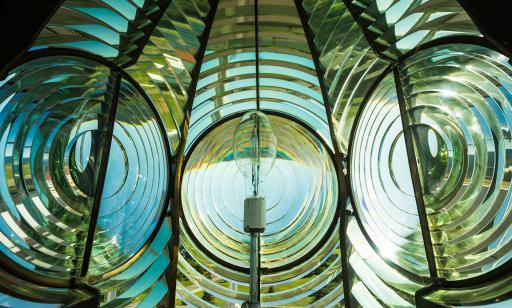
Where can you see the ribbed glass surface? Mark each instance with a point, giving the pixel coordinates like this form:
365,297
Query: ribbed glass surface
136,183
53,117
381,183
140,282
111,28
376,280
490,294
158,84
227,81
301,195
395,27
287,76
459,103
457,98
29,294
55,112
167,60
349,65
300,191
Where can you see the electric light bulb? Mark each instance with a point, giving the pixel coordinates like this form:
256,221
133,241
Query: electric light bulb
254,149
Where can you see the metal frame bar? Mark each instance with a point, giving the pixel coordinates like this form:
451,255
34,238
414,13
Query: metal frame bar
257,51
102,172
506,268
388,70
419,299
176,212
366,34
415,175
438,282
483,279
91,302
52,298
120,74
135,55
29,56
255,265
338,157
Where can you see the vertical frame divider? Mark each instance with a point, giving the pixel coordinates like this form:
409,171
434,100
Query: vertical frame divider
257,54
415,175
175,211
338,156
99,179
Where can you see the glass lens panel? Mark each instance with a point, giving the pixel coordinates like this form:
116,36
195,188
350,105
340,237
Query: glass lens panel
136,183
53,117
349,65
459,103
164,68
381,183
300,246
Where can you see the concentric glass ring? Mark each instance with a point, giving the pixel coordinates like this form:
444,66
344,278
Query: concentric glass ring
54,113
301,195
459,104
382,190
136,184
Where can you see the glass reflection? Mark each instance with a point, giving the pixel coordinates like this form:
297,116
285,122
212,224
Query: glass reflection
53,115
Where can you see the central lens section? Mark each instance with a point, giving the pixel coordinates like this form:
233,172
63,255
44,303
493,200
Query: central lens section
301,195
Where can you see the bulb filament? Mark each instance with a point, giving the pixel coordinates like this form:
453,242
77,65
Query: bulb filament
255,142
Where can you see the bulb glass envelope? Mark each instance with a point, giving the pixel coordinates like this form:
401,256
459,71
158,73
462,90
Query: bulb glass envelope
254,149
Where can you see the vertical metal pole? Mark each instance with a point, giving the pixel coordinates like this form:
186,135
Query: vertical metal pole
257,51
254,258
254,286
106,131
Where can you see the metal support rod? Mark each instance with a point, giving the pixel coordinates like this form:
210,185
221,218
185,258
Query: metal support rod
366,33
254,225
415,175
254,286
254,258
105,132
154,19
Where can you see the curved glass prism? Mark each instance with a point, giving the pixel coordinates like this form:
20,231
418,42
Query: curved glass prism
54,118
459,101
